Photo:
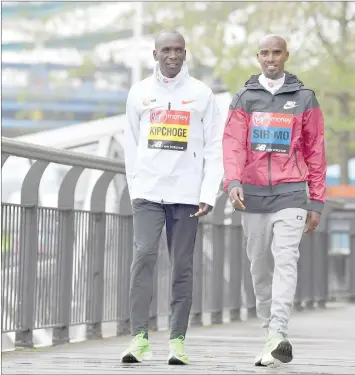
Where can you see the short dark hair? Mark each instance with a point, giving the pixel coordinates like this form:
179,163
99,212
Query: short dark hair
167,31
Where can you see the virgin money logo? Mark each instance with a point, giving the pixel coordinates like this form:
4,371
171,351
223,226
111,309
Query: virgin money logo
158,117
272,119
261,119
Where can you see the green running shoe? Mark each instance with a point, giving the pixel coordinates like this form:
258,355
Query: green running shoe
277,350
177,355
138,351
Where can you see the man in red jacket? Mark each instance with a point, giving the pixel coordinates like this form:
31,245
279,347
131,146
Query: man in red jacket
273,147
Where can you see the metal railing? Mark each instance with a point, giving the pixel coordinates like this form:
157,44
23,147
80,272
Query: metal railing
63,267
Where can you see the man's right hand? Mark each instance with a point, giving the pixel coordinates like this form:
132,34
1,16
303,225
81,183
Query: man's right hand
236,196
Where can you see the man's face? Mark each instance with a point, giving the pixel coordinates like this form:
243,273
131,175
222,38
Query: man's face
170,53
272,57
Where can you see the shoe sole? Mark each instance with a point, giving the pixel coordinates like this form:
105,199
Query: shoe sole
176,361
258,363
281,354
130,358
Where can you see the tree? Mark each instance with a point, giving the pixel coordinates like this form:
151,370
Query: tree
334,78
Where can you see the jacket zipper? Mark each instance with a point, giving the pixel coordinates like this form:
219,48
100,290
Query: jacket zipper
269,154
169,107
298,167
269,169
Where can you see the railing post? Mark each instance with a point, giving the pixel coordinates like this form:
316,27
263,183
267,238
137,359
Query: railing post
352,260
125,254
305,271
218,235
197,291
27,266
320,248
123,275
66,201
218,248
236,266
297,304
96,255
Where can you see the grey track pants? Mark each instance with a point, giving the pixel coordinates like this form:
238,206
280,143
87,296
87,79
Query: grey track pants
273,249
148,221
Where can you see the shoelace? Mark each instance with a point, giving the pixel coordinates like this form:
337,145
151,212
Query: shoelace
136,338
179,342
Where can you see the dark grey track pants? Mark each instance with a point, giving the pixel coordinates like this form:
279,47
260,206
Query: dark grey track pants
148,222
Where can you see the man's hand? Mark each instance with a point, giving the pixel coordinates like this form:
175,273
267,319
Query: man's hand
204,209
236,196
312,221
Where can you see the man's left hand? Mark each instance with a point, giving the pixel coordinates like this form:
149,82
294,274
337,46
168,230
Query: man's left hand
312,222
204,209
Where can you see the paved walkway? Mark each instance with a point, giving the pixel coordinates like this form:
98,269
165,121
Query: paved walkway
324,343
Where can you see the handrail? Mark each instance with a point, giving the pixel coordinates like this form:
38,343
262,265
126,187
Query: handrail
60,156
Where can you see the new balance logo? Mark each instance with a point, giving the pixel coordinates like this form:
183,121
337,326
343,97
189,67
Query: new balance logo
157,144
187,101
290,105
260,147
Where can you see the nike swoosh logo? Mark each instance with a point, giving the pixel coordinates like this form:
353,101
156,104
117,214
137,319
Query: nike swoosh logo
290,106
187,101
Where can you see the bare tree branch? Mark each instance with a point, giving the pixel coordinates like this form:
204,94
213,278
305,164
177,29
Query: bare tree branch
327,45
339,96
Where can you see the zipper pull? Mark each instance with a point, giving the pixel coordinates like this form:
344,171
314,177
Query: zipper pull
169,106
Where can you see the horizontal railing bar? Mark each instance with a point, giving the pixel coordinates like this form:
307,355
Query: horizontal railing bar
60,156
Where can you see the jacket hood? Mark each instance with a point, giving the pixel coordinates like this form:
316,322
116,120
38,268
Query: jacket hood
291,81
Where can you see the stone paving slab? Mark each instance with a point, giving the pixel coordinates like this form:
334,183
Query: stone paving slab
323,341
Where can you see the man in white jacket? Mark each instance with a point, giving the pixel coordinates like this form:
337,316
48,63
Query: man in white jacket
174,167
